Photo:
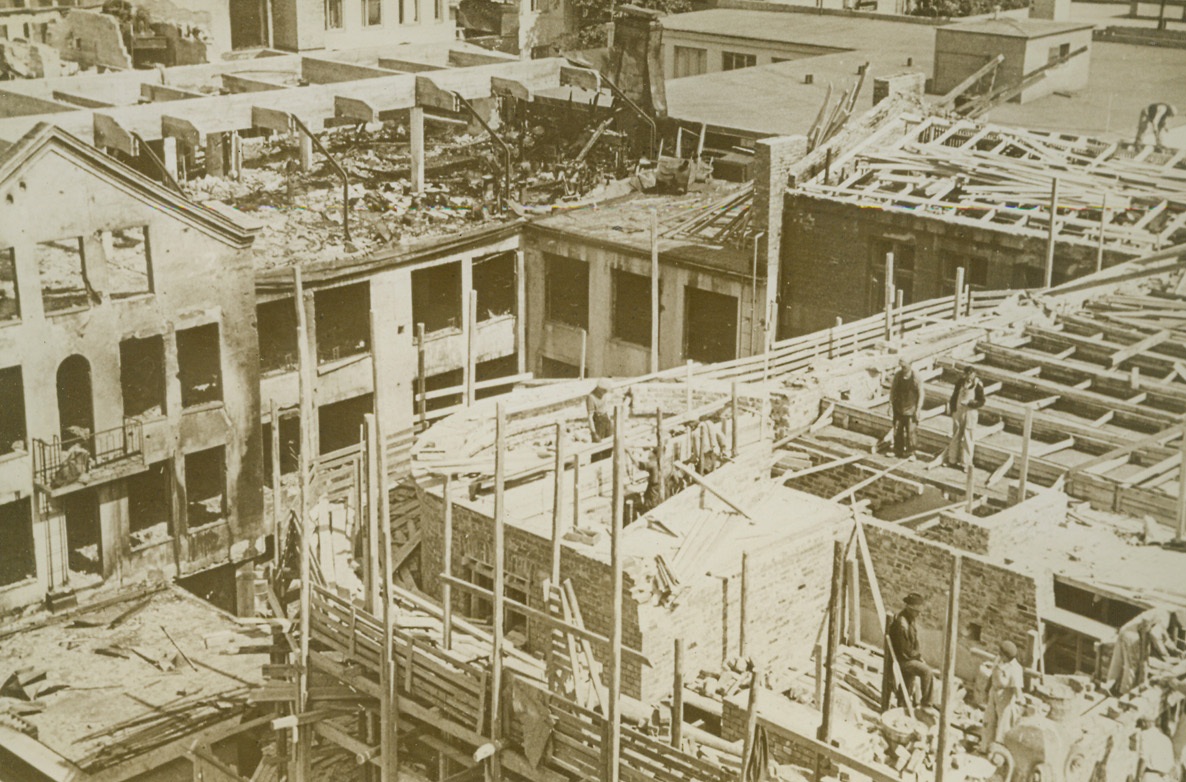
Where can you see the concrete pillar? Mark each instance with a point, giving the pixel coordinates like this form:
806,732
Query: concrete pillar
772,159
305,145
245,590
235,161
416,131
215,159
169,155
1058,10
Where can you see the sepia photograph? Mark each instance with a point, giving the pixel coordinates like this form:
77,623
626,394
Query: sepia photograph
592,391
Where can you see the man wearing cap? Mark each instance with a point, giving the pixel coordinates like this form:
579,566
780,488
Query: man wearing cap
1002,706
904,641
906,398
597,404
964,407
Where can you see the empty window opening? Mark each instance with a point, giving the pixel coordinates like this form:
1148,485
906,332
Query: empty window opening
129,267
454,378
711,334
566,293
632,308
290,446
372,13
339,425
205,487
343,321
61,269
150,506
494,280
731,61
436,297
142,377
903,271
507,366
199,365
690,61
12,411
10,303
333,14
553,367
83,534
76,410
975,272
515,587
277,325
17,560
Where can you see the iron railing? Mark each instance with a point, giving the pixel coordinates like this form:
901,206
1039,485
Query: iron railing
60,462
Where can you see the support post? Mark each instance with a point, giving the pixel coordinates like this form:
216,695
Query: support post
853,583
520,312
889,295
389,716
612,747
943,753
500,457
688,386
751,725
576,490
661,453
825,728
899,306
743,608
374,593
1099,248
558,504
416,134
447,566
970,485
1051,232
584,353
654,291
421,380
735,446
1023,471
278,531
1182,492
304,756
957,295
471,338
677,695
304,152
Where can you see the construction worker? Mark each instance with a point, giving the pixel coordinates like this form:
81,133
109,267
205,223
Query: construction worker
964,407
1002,703
1147,630
597,405
1155,754
906,398
904,641
1154,117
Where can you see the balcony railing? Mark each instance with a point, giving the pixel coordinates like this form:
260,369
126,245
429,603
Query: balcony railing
61,462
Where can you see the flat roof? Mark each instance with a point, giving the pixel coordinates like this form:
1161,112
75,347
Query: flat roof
1017,28
839,33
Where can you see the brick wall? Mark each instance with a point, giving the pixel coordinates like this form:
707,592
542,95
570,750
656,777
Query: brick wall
996,602
785,721
881,493
1002,534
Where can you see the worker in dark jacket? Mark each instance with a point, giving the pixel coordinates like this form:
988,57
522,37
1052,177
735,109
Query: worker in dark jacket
904,640
906,398
964,407
1154,117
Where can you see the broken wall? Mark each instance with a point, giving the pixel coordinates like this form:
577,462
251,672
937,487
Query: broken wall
91,39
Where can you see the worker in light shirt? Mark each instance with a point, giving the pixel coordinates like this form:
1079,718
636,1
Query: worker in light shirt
1002,708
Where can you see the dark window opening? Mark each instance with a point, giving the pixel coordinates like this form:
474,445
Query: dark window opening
205,487
290,446
12,411
10,302
142,376
333,14
84,542
551,367
436,297
76,405
632,308
339,425
199,365
494,280
129,264
61,269
372,13
731,61
277,325
711,325
515,587
17,560
451,379
1025,276
507,366
343,321
216,586
975,272
567,291
150,506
